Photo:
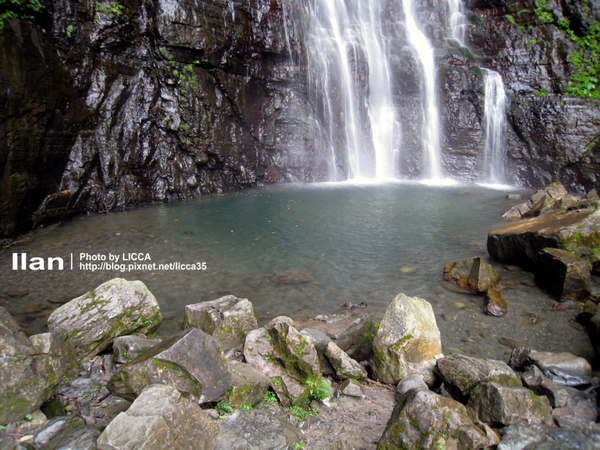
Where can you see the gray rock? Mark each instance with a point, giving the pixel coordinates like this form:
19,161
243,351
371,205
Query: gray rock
74,437
535,437
407,342
564,361
29,369
191,361
473,275
563,274
248,385
54,426
127,348
79,387
352,388
279,351
580,411
519,436
344,366
535,380
493,403
466,372
411,382
227,319
256,430
320,341
423,419
160,418
7,443
90,323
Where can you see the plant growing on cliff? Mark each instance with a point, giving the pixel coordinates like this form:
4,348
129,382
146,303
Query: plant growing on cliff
113,10
26,10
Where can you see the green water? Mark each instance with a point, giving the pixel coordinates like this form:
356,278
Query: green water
360,243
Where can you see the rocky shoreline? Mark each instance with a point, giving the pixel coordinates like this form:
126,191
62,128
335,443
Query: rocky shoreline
100,378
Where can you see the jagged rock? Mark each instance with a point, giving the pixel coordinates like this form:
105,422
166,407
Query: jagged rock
320,341
473,275
493,303
576,231
127,348
279,350
54,426
564,361
256,430
248,385
29,369
79,388
536,437
90,323
423,419
535,380
352,388
345,367
563,274
190,361
543,200
466,372
493,403
352,331
160,418
407,342
227,319
81,438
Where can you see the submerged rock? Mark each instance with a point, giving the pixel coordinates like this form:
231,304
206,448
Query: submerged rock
493,303
227,319
473,275
292,276
29,369
90,323
190,361
423,419
160,418
407,342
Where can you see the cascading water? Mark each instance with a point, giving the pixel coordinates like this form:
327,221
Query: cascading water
458,21
349,81
424,51
494,124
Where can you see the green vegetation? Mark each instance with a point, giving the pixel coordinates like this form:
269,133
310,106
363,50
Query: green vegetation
246,406
26,10
301,413
270,397
70,30
114,11
541,93
322,391
511,19
299,446
223,407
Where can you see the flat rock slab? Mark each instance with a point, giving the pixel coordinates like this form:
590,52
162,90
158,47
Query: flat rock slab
564,361
160,418
90,323
191,361
256,430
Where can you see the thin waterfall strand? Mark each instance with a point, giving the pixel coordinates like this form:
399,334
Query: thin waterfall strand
494,124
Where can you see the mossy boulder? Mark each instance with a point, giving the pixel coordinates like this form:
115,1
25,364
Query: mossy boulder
227,319
90,323
407,342
127,348
344,366
495,404
465,372
29,369
287,357
248,385
425,420
190,361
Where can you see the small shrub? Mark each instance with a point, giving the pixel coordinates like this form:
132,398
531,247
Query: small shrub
223,407
270,397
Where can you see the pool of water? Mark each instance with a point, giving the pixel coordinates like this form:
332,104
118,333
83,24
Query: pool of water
360,243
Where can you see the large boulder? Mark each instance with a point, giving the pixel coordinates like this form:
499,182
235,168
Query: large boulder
407,342
466,372
473,275
190,361
423,419
288,358
563,275
127,348
344,366
29,369
160,418
248,385
496,404
228,319
256,430
90,323
576,231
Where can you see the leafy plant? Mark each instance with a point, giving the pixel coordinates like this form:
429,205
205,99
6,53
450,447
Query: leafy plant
511,19
70,30
544,15
299,446
113,10
300,413
19,9
322,391
541,93
270,397
223,407
246,406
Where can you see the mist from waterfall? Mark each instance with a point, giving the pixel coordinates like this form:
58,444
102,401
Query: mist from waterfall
349,83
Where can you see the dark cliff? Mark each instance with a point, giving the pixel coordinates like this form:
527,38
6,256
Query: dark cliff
103,108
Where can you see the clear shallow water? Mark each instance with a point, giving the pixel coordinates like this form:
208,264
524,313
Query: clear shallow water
360,243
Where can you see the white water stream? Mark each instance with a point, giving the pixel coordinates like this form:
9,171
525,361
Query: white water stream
494,124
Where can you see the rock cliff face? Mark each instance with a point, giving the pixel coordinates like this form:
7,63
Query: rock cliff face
104,107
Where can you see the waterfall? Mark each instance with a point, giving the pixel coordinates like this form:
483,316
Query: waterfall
494,124
458,21
424,51
349,84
